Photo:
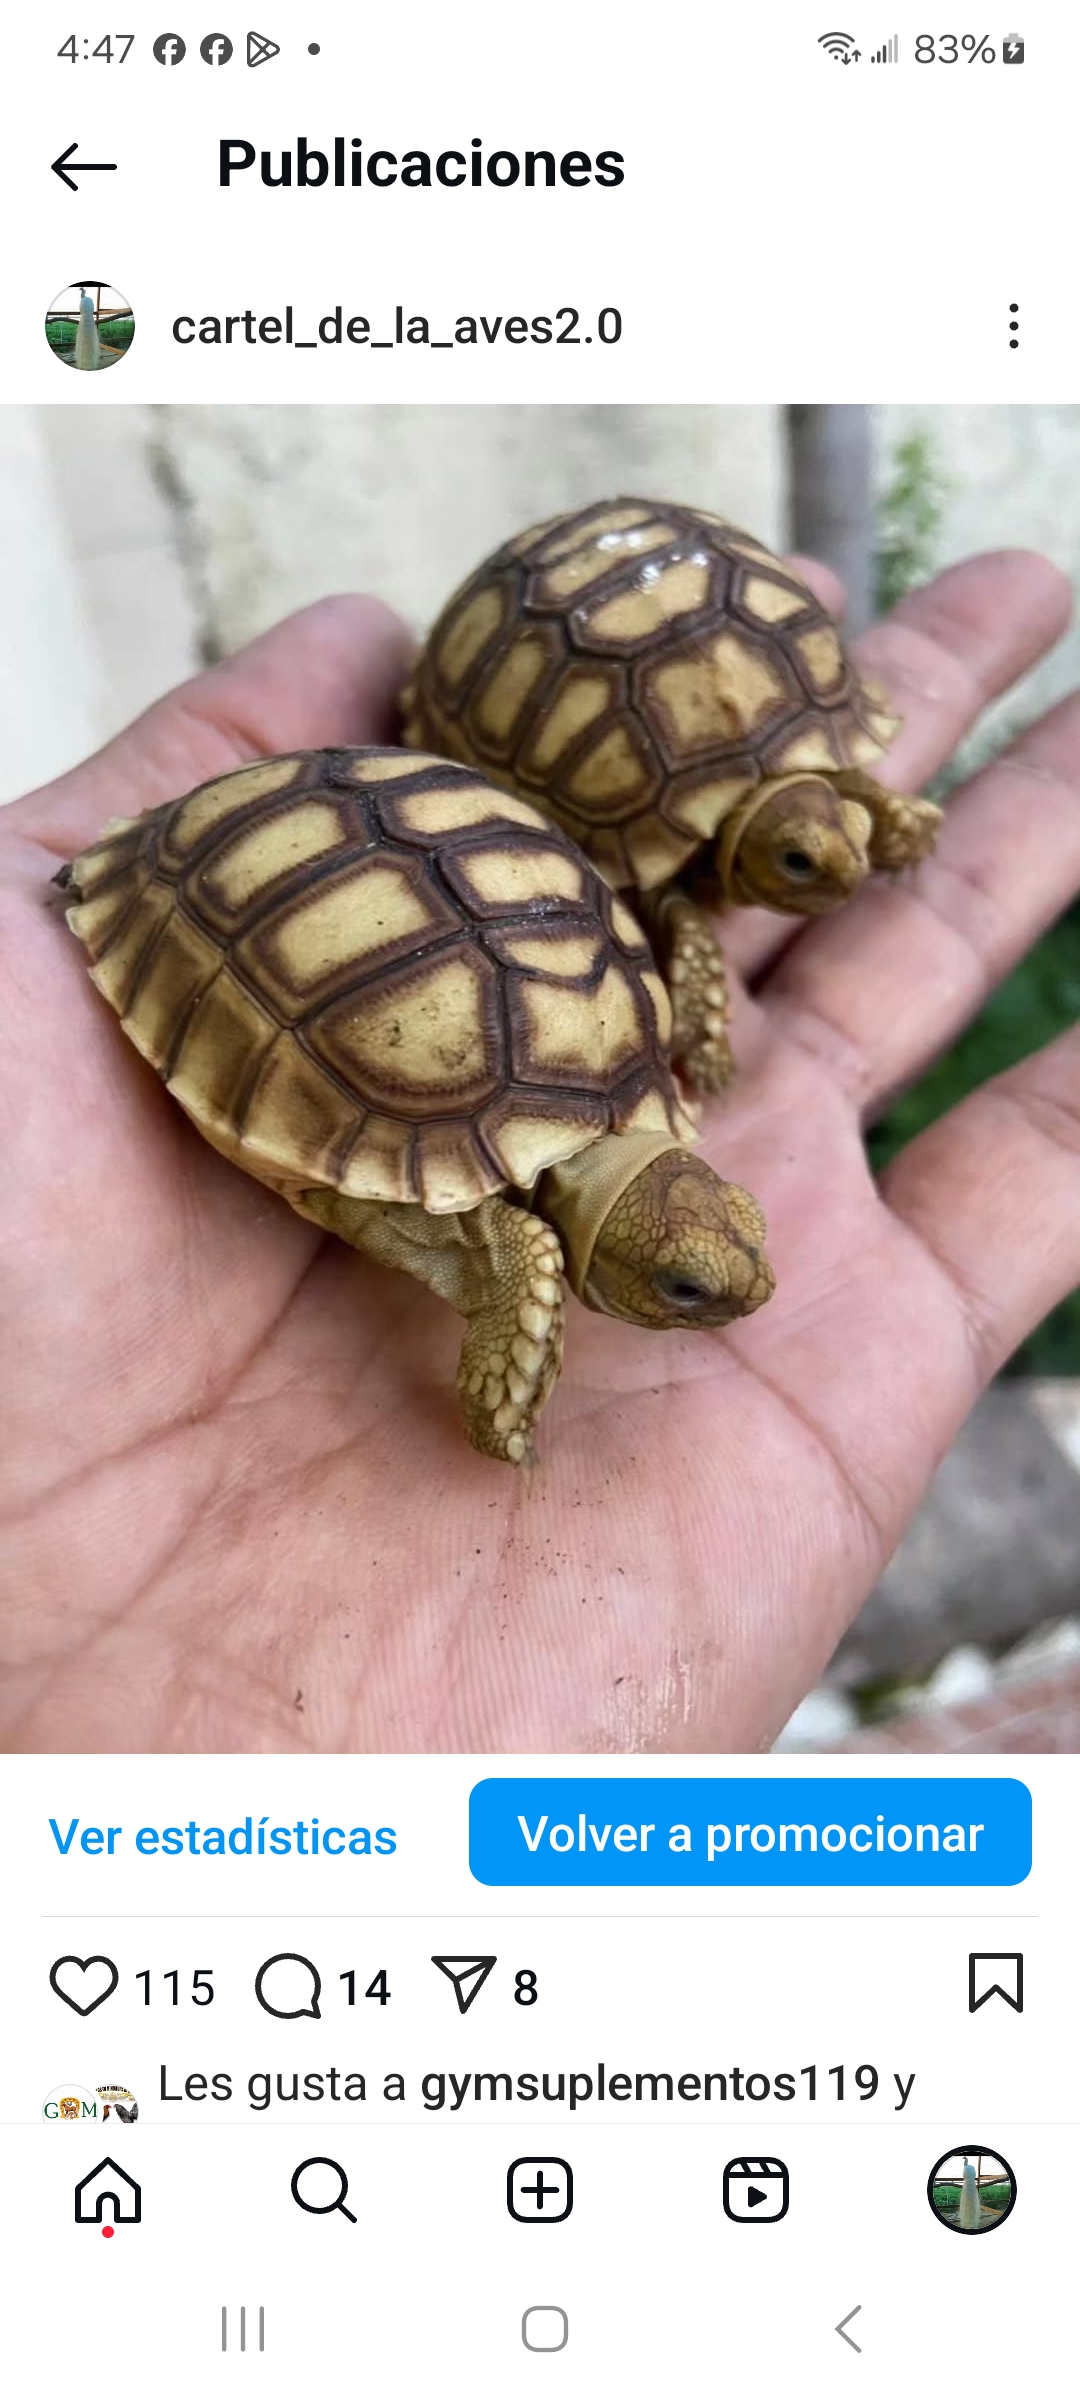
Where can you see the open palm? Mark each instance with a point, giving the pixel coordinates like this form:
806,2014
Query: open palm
237,1509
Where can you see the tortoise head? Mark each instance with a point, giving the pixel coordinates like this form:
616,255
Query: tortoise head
796,844
654,1236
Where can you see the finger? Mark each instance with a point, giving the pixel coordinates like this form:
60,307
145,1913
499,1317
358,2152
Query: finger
328,675
752,937
993,1191
942,655
951,648
825,586
882,988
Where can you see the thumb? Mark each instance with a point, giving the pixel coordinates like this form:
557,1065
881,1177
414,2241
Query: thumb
327,676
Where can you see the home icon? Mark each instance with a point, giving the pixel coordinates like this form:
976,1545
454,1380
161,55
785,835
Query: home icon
107,2181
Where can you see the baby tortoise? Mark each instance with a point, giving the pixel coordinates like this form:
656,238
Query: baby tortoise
675,696
411,1006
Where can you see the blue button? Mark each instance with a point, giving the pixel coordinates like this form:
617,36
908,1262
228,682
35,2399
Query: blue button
793,1829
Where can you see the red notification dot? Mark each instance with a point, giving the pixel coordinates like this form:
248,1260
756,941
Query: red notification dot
107,2232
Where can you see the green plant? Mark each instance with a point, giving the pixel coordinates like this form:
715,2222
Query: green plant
909,520
116,332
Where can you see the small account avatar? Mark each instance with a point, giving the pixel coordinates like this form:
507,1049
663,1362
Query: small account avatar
116,2099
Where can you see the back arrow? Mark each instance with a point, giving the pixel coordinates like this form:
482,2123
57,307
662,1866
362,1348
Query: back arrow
86,166
846,2337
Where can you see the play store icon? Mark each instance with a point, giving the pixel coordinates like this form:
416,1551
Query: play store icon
468,1976
260,48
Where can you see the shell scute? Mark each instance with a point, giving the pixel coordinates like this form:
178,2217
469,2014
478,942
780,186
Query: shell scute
246,874
370,970
204,812
222,1046
565,1033
521,874
339,932
421,1040
294,1109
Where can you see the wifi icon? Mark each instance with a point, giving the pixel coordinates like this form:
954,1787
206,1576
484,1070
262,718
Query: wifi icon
841,46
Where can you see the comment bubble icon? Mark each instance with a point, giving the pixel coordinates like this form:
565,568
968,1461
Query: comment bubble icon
288,1985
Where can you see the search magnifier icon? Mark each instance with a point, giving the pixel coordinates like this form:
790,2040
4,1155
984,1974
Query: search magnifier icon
322,2208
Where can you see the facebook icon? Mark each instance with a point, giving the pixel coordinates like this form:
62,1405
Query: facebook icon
216,49
169,49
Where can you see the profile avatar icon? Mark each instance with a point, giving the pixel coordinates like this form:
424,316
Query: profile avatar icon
971,2190
90,326
118,2102
71,2103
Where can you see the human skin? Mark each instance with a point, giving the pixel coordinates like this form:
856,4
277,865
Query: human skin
236,1508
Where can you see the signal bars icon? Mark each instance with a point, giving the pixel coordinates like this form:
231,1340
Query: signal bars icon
889,53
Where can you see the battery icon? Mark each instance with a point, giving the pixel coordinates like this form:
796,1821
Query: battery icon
1012,51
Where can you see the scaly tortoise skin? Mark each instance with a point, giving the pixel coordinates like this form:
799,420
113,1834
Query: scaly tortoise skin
671,693
410,1005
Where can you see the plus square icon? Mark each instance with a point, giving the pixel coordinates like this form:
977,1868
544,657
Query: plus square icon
540,2191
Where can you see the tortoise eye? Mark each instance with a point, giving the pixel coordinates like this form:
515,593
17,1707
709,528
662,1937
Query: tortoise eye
797,864
682,1290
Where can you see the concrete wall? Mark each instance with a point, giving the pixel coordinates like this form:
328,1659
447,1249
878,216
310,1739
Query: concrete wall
50,673
283,504
1012,478
96,610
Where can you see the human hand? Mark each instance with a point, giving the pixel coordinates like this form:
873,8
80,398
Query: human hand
238,1512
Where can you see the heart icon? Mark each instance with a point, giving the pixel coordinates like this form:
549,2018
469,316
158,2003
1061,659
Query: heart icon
83,1979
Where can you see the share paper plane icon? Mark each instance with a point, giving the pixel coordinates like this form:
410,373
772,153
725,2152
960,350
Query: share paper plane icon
468,1976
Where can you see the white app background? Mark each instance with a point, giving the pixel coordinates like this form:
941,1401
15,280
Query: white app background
786,225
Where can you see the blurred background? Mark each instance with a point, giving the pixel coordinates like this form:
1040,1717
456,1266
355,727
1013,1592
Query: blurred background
147,541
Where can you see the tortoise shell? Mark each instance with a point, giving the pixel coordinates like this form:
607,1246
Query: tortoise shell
638,669
370,971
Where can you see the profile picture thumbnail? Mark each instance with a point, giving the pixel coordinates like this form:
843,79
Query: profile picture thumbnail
89,326
971,2190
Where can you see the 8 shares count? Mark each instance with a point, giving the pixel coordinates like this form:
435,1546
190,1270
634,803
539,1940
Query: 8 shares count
564,325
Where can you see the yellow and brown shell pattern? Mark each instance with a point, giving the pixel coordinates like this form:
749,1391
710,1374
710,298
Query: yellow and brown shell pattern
371,971
637,669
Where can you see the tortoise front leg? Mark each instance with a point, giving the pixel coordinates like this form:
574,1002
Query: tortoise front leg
512,1353
691,962
501,1269
903,830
